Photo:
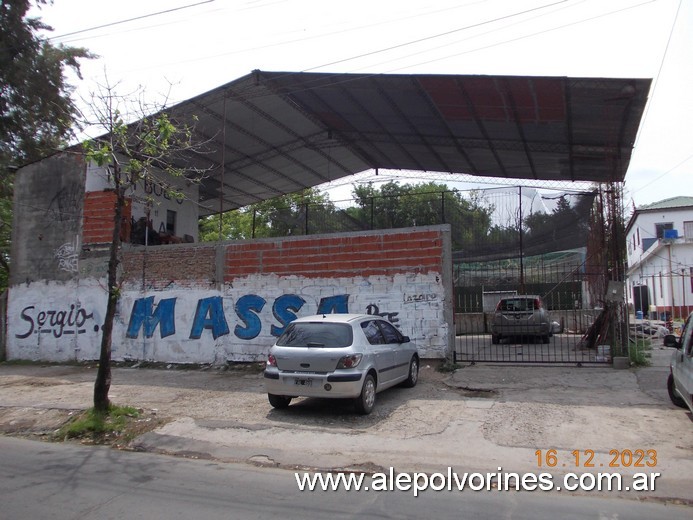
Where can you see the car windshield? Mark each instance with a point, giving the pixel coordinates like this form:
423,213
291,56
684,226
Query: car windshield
333,335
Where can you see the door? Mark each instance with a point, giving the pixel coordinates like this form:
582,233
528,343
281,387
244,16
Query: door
401,356
381,351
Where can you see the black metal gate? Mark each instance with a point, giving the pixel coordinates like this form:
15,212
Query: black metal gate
559,279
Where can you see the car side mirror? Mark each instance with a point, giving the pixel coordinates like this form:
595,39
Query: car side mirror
670,340
405,339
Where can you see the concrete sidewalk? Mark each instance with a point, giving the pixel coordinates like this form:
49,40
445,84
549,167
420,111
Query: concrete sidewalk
480,418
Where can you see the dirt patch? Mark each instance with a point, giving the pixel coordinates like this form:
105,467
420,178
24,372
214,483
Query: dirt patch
123,437
467,391
37,382
23,421
46,425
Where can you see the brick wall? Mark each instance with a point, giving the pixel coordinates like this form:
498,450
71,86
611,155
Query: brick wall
338,256
99,208
167,267
333,256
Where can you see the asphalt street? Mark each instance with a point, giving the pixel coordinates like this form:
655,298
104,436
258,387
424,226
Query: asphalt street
68,481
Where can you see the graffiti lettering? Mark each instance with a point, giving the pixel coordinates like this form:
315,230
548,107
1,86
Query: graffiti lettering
374,310
246,308
143,316
334,304
413,298
67,257
210,315
64,207
284,310
55,321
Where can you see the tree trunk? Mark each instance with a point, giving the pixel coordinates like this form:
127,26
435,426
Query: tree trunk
103,376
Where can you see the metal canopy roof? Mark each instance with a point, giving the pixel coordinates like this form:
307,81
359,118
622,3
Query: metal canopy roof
279,132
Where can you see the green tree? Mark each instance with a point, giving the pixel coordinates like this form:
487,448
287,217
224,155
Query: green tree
566,227
135,153
36,111
304,212
393,205
403,205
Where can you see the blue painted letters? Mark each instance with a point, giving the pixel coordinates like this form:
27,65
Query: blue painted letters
284,310
142,315
210,315
216,321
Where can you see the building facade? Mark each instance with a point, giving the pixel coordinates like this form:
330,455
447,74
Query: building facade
659,241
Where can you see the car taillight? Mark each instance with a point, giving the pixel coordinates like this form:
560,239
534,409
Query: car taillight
271,361
350,361
537,303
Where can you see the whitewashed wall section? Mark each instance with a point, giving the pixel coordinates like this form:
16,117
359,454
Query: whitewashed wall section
62,322
55,321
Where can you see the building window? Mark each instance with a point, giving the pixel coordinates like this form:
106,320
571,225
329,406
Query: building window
661,228
688,230
170,222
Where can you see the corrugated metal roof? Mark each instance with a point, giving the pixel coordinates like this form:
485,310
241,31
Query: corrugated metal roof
671,203
273,133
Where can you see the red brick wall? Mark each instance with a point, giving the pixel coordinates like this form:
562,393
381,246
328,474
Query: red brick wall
99,208
338,256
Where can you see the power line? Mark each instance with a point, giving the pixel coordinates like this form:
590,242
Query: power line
665,173
111,24
504,42
439,35
659,72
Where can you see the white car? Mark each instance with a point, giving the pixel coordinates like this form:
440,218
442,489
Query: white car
339,356
680,382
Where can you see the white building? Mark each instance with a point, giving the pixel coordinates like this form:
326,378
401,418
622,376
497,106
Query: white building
660,258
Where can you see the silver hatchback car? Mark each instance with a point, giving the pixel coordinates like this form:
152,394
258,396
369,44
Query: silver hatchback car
339,356
521,315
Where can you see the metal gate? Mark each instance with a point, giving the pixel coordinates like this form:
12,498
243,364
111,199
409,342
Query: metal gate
558,279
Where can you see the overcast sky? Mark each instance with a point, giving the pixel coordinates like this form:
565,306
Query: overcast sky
205,44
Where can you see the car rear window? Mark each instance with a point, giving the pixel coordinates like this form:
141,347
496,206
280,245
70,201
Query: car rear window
309,334
517,304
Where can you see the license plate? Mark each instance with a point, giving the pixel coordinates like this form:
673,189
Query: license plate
303,382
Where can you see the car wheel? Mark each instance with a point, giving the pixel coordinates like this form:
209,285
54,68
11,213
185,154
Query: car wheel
546,339
675,398
366,401
279,401
495,339
413,377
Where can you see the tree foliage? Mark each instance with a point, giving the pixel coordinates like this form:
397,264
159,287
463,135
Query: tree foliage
567,226
392,205
281,216
403,205
36,110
